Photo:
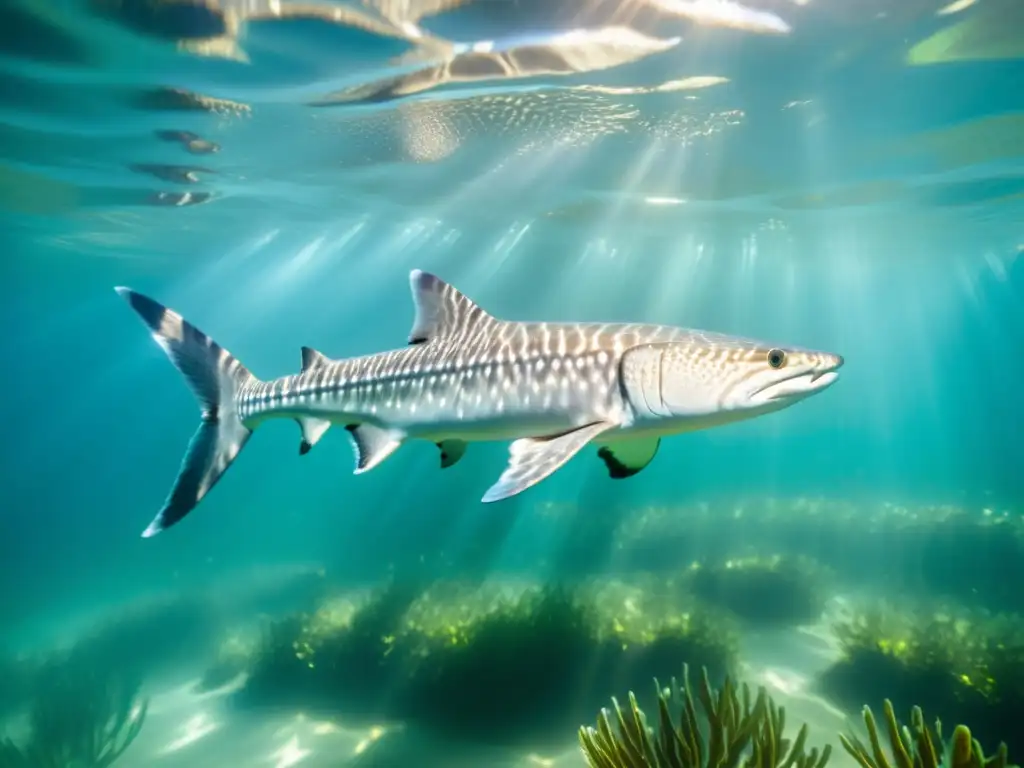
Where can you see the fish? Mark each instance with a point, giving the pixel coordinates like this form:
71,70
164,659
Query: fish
468,376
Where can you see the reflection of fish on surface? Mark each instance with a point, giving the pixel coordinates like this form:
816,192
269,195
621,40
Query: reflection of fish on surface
214,27
431,129
473,18
165,99
564,53
468,376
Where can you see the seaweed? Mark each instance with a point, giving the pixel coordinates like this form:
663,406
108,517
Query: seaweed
16,674
914,747
495,663
781,590
909,547
735,727
533,651
82,715
340,658
966,664
738,730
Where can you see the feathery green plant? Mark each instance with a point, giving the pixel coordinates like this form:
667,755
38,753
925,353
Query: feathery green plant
737,729
914,747
81,718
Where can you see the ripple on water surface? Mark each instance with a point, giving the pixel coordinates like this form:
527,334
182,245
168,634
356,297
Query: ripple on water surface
112,105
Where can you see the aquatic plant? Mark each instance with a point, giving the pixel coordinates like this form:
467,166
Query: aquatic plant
914,747
737,730
781,590
438,657
16,674
965,663
548,650
82,716
341,657
987,543
515,670
735,726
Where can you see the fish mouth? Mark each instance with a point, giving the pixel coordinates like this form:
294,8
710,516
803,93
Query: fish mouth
799,385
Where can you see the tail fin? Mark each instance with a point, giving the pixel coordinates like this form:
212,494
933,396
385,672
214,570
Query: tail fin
214,377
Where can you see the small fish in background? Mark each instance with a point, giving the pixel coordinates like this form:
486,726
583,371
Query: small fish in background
191,142
467,376
178,199
179,174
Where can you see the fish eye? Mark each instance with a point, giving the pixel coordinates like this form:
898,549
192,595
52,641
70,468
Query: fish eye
776,358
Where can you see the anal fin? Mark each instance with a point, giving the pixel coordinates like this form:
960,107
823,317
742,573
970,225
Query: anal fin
624,458
372,445
451,451
531,459
312,430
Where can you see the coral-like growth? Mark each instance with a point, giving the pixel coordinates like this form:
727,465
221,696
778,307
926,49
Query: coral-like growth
737,729
763,591
82,716
914,747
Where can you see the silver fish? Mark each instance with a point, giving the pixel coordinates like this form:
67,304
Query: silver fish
468,376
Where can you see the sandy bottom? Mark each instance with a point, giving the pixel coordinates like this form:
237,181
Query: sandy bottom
186,730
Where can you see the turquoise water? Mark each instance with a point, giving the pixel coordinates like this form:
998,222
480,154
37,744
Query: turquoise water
819,174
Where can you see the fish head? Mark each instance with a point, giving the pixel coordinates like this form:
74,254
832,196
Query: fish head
724,378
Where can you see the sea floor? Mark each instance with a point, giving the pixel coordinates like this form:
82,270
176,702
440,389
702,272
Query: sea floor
189,730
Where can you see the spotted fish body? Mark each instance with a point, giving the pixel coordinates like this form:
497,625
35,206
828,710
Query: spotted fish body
467,376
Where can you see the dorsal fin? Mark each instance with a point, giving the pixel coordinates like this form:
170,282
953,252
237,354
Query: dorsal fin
441,309
311,359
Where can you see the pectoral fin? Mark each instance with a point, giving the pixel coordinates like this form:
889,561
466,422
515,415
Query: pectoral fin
372,445
627,457
531,459
451,452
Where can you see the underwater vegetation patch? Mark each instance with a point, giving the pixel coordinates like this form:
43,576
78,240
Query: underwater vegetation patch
737,729
82,715
730,730
16,675
967,664
914,747
496,664
884,543
775,591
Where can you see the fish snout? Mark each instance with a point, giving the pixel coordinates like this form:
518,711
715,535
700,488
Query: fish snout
828,363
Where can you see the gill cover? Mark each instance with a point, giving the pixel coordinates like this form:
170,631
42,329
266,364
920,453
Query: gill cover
661,380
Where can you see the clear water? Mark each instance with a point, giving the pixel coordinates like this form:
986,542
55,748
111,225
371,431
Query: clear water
846,176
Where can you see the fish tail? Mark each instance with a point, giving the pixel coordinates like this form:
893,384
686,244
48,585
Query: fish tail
215,378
